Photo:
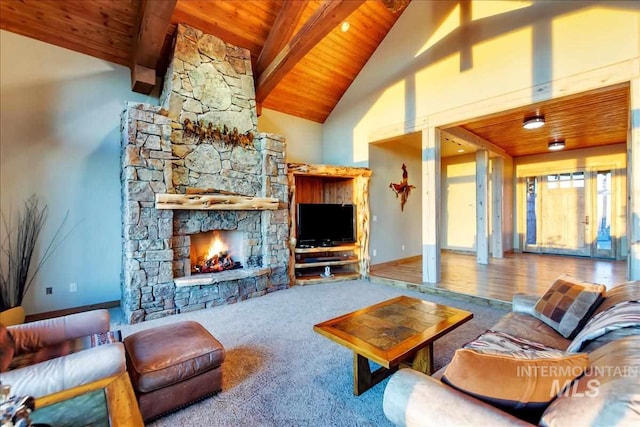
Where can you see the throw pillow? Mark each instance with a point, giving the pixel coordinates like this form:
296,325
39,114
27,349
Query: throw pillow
64,348
568,304
518,383
625,314
6,348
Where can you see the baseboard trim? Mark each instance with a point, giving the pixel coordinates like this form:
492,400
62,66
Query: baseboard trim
458,251
66,311
398,261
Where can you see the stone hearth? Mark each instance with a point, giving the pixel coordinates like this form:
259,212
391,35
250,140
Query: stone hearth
211,82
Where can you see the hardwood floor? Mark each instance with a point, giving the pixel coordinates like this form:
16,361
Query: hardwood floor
502,278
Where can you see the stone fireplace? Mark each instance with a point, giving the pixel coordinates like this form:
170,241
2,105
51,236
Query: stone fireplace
207,82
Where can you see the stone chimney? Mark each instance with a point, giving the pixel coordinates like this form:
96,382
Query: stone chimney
211,81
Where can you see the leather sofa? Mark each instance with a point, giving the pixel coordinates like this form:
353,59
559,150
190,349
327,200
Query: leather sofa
607,394
48,356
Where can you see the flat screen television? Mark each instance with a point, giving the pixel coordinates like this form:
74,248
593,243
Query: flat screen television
321,224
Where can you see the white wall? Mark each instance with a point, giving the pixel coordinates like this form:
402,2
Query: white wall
60,139
304,137
458,203
427,65
392,228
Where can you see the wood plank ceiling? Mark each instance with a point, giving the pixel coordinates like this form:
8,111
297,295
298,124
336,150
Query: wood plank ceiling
307,61
589,119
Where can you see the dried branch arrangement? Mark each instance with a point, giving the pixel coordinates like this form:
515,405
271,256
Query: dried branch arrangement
16,251
210,133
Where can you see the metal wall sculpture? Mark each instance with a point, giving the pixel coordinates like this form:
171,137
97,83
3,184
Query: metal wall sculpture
402,189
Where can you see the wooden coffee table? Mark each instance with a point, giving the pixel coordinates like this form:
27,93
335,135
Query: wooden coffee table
399,330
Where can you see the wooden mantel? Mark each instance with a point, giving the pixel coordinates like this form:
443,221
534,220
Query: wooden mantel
327,170
215,202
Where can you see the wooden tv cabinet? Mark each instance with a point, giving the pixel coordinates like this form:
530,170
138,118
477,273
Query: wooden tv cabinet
310,183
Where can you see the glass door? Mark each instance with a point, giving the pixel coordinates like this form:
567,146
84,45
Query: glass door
604,246
559,214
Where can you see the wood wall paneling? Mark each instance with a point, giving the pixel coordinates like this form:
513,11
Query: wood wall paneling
309,189
339,191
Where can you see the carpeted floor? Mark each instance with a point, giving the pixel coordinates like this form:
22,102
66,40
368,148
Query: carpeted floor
278,372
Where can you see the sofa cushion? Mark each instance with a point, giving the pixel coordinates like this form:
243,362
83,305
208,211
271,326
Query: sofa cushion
412,398
7,348
501,343
625,314
522,382
534,329
628,291
63,373
568,304
608,393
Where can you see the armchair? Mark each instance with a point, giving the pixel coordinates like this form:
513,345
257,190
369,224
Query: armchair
48,356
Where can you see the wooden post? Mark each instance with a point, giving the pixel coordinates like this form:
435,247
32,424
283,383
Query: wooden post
430,203
361,199
293,225
633,182
497,194
482,207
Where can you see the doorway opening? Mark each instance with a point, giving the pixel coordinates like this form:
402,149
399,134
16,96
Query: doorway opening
570,213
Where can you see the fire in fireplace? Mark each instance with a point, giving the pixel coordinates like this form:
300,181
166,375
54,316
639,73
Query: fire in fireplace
210,253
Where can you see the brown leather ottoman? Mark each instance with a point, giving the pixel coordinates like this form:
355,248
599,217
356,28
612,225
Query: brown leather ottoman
173,366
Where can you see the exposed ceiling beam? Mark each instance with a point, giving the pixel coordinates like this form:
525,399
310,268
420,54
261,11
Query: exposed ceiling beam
395,5
153,20
465,135
321,23
281,32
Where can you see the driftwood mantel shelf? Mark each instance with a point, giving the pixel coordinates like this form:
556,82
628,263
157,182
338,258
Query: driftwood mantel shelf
213,202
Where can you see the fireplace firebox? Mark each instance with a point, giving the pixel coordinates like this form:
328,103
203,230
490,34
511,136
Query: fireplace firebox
216,251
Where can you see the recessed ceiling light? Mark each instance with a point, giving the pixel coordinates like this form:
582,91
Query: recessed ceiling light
533,122
556,145
345,26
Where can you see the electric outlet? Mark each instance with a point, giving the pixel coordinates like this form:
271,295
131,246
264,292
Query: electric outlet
375,252
375,218
403,247
49,291
73,287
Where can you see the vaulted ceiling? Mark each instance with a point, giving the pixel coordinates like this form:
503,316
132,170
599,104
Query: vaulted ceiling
302,60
